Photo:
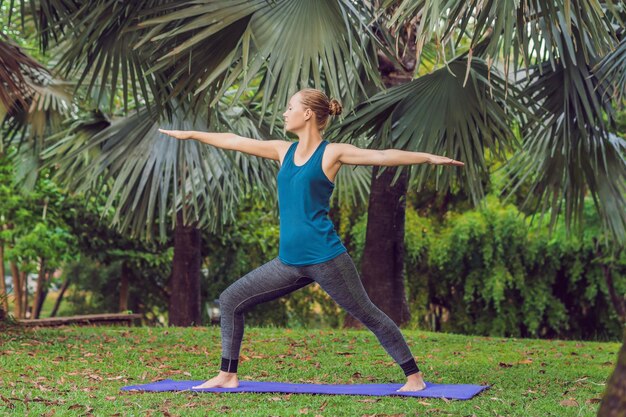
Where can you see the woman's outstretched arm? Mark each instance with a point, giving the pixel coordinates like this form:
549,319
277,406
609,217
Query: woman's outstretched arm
353,155
231,141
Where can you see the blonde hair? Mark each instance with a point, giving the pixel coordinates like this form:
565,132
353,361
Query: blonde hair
321,105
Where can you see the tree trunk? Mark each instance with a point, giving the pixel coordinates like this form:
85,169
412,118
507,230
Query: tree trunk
24,300
57,303
124,279
382,262
17,290
184,303
3,284
614,399
44,294
41,282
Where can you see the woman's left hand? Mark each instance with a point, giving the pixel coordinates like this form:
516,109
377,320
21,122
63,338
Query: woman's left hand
444,160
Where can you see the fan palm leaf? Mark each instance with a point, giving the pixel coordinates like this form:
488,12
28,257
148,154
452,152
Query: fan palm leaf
289,42
569,149
15,70
437,114
149,176
537,30
611,70
32,105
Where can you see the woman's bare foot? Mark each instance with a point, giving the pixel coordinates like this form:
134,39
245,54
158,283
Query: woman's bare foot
415,382
222,380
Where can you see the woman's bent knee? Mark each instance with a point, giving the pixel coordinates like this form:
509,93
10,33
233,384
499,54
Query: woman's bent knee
225,301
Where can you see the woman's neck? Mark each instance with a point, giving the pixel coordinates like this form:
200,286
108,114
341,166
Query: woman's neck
309,138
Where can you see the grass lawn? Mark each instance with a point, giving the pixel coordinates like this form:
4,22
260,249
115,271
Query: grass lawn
80,370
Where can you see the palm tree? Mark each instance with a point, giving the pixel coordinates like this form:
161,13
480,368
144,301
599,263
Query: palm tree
462,99
155,180
568,106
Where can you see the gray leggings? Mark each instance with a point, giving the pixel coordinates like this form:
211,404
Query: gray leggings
338,277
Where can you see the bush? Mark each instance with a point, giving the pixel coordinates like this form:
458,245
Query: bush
498,275
490,271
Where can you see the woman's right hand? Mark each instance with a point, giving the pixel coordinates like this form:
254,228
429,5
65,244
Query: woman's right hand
178,134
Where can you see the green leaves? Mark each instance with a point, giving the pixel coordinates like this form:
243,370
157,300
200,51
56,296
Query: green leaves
611,70
102,39
438,114
536,30
289,42
569,149
149,175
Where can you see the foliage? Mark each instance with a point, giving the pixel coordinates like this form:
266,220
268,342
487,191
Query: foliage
96,285
497,276
493,272
32,225
68,231
98,267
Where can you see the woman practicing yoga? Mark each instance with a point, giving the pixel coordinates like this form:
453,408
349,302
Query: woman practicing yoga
309,248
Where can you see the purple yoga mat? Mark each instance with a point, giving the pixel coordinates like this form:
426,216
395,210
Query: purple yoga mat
450,391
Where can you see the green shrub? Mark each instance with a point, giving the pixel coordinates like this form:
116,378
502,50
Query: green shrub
490,271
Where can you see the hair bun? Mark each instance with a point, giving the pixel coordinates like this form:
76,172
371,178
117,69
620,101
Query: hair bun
334,107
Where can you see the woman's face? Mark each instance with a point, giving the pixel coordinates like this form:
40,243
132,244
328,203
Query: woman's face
296,116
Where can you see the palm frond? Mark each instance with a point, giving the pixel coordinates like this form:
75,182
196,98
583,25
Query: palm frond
51,18
437,114
611,72
568,148
535,29
429,17
289,42
46,103
102,51
152,176
17,71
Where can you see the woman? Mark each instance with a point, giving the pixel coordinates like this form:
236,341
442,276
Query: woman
309,248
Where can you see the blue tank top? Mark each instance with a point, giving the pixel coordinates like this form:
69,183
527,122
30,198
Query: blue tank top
307,236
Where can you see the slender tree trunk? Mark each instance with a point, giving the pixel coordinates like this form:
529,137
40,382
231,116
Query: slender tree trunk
184,303
124,279
614,399
57,303
41,282
3,284
17,290
44,293
24,300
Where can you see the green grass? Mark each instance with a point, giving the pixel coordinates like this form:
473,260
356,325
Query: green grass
80,370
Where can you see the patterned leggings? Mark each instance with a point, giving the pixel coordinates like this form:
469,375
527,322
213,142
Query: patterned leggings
338,277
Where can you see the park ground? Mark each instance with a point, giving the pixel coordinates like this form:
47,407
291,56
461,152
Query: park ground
80,370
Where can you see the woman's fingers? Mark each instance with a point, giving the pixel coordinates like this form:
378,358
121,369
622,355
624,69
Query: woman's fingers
443,160
168,132
178,134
